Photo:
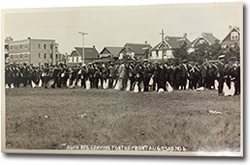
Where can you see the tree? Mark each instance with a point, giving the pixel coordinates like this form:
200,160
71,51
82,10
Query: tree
181,53
205,52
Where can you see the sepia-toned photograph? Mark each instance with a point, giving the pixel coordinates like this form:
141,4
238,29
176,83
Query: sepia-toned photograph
123,80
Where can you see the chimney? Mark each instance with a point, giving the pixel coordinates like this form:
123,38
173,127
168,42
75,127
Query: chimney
185,35
230,27
28,38
94,46
146,42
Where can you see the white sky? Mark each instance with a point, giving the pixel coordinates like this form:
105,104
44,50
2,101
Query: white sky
115,26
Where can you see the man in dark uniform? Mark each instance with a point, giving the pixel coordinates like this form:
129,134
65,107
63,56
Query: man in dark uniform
104,74
24,72
171,74
235,72
178,75
162,77
9,75
96,76
156,78
91,75
204,74
138,75
83,76
64,76
146,75
17,76
184,75
220,74
56,77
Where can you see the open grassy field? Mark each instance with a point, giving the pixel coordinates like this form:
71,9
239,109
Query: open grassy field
47,118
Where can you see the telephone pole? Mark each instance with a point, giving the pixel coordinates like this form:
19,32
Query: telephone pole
162,46
82,33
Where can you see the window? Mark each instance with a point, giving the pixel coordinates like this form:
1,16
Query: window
21,56
44,46
51,56
6,47
44,55
11,47
157,53
11,56
39,46
39,55
21,46
234,36
73,59
164,53
56,56
76,59
202,41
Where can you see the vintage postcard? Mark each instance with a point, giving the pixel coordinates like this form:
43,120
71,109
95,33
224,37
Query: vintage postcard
126,80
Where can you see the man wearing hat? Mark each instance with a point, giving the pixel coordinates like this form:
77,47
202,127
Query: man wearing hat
235,71
220,74
24,71
146,75
184,74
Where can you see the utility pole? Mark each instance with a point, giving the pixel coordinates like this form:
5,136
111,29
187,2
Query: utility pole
162,40
52,53
82,33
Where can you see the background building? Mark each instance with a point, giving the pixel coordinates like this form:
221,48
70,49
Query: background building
167,47
233,37
135,51
110,52
33,51
205,38
90,54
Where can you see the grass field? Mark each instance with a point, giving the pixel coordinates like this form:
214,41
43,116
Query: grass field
47,118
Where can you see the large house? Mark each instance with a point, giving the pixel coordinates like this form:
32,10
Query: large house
90,54
205,38
32,51
164,50
232,38
109,52
135,51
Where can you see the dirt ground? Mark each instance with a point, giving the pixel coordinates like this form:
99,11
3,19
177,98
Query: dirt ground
54,118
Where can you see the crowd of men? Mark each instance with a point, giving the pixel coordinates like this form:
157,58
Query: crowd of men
153,75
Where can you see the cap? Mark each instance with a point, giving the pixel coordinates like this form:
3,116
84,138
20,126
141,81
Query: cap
221,56
185,60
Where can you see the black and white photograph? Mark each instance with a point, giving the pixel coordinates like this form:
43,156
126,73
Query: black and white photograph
123,80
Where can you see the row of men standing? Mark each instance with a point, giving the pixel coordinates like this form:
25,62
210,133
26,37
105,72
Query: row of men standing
153,75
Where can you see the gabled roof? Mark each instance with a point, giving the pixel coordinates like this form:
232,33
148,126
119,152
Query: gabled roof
112,50
206,36
138,49
177,42
173,42
89,52
74,54
237,29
